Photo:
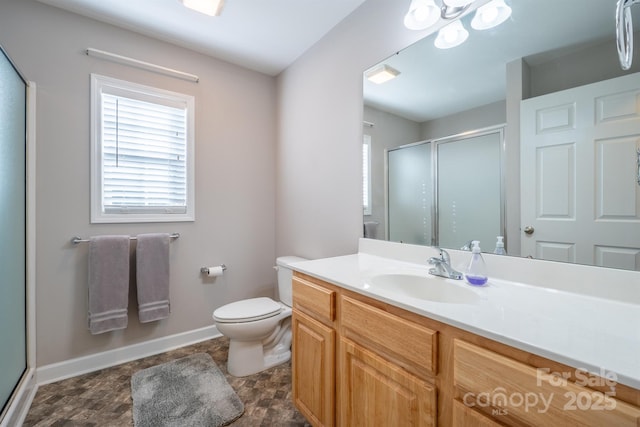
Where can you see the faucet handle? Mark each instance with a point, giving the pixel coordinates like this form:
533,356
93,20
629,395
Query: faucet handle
444,255
435,260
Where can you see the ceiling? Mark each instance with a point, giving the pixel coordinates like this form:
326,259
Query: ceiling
432,80
261,35
269,35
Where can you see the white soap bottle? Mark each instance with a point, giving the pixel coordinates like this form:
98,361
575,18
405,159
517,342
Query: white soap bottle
500,246
476,272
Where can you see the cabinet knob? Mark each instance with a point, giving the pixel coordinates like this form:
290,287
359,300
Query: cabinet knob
529,230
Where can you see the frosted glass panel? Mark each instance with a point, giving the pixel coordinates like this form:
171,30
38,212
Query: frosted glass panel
410,194
13,354
469,191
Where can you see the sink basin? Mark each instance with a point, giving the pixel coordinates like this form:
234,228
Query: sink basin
427,288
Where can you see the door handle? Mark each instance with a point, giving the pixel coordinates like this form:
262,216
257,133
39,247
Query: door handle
529,230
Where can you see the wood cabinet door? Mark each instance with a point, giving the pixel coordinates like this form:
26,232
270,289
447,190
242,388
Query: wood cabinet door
463,416
374,392
313,369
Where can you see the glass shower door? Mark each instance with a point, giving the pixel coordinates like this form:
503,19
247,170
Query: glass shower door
410,194
13,331
469,191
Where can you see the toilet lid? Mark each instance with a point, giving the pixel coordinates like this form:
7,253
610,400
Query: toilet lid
247,310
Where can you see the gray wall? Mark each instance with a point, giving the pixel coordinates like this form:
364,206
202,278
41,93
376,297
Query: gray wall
388,131
554,72
477,118
319,183
235,176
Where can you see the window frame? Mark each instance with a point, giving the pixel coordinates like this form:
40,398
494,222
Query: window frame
103,84
366,187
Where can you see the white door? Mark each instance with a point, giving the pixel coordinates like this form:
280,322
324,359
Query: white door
579,174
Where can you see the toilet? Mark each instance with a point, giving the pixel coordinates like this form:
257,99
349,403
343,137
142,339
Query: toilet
259,329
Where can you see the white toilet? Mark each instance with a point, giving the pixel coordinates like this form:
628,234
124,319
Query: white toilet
259,329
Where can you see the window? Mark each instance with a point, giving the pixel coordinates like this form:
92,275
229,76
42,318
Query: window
141,152
366,175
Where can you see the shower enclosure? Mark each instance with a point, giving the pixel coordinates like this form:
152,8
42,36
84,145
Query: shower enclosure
13,295
448,191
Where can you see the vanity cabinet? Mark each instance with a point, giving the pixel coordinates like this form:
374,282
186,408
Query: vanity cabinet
354,362
518,393
375,391
405,343
313,351
360,361
464,416
387,366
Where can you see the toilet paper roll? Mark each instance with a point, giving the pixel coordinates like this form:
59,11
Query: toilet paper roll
215,271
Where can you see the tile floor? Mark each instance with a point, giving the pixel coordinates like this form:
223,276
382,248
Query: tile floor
103,398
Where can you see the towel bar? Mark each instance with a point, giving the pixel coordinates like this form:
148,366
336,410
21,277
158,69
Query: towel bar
76,240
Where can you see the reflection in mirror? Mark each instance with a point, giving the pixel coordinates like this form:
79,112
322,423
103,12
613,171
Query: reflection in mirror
569,164
467,204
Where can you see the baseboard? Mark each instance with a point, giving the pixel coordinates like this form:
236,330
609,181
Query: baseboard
82,365
20,404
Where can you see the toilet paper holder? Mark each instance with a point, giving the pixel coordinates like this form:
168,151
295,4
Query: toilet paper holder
205,270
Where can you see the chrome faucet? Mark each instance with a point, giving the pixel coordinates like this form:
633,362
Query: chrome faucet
442,266
467,246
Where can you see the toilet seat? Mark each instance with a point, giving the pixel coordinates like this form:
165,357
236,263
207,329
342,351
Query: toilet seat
247,310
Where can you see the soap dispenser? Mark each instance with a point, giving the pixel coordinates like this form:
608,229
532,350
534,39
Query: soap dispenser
476,272
500,246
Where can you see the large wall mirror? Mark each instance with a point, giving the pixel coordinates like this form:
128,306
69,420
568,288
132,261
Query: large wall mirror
530,130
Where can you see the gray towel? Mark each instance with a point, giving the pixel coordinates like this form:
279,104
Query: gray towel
152,276
108,283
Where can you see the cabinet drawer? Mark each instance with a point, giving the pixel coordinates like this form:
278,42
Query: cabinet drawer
524,394
315,300
406,343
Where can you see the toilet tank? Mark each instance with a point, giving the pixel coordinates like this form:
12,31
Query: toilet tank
285,274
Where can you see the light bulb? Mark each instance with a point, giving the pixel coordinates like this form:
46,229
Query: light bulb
452,35
422,14
490,15
208,7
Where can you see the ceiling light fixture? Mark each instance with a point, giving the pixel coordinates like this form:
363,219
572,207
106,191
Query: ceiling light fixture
381,74
457,3
208,7
490,15
422,14
452,35
451,9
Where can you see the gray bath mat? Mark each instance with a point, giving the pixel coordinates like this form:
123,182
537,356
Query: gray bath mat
190,391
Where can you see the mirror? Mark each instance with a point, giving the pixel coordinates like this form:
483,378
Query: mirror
546,49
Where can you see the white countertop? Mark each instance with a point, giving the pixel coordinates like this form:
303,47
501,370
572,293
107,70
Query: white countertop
598,335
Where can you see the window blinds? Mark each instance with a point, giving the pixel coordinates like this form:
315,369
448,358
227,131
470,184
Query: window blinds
144,150
366,175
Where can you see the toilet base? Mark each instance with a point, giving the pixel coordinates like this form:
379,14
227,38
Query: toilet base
248,358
